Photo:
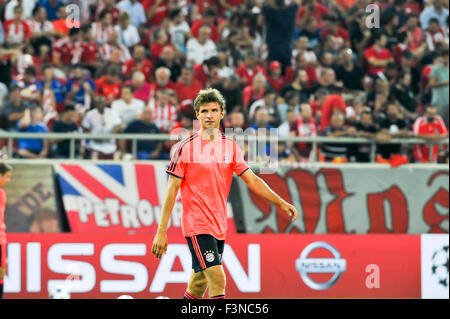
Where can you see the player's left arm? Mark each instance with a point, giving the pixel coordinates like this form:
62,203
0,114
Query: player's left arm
259,187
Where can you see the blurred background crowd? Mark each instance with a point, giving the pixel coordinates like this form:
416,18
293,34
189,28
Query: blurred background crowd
338,68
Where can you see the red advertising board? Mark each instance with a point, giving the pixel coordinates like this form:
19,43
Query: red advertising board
257,266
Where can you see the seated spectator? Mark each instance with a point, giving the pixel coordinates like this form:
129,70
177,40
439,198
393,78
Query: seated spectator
429,127
349,74
140,87
435,34
160,40
248,70
178,30
102,29
146,149
415,35
291,101
303,126
13,109
438,82
327,81
339,35
336,151
67,50
128,33
404,94
52,7
436,10
127,108
164,112
167,59
275,79
187,87
206,72
42,30
60,24
55,84
333,103
80,90
267,102
67,124
135,10
391,127
365,127
254,91
231,92
16,31
299,86
113,43
208,19
29,85
100,120
377,56
201,48
114,61
311,32
32,123
109,85
89,51
139,62
162,82
311,8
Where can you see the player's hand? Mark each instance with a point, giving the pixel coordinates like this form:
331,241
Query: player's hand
2,272
290,210
159,244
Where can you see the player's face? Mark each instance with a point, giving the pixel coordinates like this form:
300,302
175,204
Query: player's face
210,115
5,179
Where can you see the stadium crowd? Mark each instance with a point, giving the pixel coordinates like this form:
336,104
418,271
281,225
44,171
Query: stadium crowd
310,68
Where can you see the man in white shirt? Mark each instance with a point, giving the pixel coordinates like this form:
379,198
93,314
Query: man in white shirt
437,11
27,7
128,33
101,120
127,108
135,10
202,48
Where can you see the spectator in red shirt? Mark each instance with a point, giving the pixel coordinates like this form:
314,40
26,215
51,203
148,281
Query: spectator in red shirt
377,56
89,50
274,78
141,88
209,18
187,87
162,82
161,40
67,50
110,7
301,63
109,85
113,43
138,63
415,35
17,31
333,103
156,11
254,91
308,9
206,72
249,69
338,34
429,127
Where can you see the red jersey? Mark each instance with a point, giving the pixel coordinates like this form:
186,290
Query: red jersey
16,33
160,13
319,12
110,91
206,170
340,38
67,51
185,92
422,126
130,66
383,54
276,84
249,74
89,52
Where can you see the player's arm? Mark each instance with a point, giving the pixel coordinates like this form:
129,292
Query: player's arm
160,241
259,187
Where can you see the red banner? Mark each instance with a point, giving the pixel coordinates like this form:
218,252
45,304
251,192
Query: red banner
256,266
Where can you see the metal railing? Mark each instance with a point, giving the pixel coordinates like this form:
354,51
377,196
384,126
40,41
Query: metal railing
134,138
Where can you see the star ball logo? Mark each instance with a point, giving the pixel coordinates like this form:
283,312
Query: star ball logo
209,256
439,266
306,266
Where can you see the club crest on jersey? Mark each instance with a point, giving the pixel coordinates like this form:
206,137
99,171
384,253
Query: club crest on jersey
227,159
209,256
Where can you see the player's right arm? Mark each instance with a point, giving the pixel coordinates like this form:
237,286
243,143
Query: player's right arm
160,241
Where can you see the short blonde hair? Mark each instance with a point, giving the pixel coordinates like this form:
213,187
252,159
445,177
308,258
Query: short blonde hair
209,96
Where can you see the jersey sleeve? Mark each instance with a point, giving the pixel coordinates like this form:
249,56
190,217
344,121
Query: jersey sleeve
240,166
177,166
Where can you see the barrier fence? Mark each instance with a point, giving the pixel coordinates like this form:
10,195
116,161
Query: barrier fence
134,138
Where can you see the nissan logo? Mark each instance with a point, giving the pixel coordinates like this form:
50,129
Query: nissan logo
305,265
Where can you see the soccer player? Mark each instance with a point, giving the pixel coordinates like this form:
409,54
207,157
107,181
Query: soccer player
202,166
5,177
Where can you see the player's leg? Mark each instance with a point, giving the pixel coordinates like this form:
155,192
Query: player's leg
197,285
215,277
